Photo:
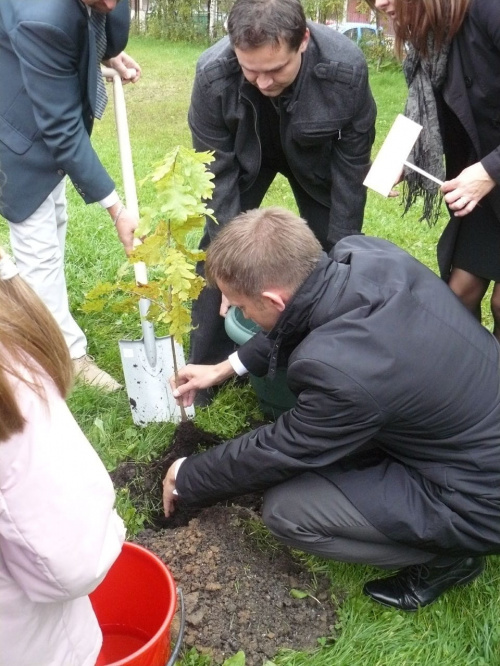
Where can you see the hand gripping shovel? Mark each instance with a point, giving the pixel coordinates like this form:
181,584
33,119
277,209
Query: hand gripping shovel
148,363
393,155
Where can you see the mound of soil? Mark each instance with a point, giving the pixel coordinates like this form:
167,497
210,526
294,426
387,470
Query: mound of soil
239,584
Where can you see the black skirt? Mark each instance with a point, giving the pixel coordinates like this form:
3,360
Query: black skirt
477,247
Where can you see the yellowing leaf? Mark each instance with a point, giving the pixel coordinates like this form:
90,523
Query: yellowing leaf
182,184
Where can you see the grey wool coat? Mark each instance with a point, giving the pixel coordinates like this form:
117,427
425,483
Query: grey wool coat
381,355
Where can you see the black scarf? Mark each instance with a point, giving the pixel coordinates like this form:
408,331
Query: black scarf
424,76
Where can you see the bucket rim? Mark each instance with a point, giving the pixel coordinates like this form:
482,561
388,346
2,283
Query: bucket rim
134,547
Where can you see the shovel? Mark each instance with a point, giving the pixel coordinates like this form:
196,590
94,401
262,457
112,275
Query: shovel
150,362
392,157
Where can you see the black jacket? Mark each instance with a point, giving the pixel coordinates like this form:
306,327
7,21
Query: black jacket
471,133
384,353
326,129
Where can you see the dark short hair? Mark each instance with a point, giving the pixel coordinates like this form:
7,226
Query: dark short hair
254,23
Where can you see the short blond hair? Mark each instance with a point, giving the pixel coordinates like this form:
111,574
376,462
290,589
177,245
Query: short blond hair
261,249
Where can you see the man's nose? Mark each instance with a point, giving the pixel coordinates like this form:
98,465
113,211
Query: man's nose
263,81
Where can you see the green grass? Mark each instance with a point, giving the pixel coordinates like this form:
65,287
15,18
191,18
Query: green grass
461,629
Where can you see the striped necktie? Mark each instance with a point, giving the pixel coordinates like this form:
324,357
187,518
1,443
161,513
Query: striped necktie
98,21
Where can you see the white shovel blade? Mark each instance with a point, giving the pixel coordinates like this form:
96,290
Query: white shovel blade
148,388
393,153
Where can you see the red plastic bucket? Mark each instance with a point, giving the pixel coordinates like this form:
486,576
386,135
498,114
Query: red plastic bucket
135,605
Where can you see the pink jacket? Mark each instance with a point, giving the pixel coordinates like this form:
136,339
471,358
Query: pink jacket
59,534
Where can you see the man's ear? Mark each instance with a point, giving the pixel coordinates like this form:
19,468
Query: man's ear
305,41
276,298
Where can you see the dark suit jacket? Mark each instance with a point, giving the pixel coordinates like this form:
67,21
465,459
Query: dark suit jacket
48,93
384,353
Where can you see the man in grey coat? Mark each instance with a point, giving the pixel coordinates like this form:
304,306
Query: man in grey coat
280,95
391,455
52,90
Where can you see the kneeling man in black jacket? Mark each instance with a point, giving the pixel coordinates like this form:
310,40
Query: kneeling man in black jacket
391,455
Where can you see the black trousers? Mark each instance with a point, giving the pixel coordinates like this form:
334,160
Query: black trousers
209,341
310,513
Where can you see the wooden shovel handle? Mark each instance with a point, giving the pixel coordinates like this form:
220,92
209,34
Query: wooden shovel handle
127,165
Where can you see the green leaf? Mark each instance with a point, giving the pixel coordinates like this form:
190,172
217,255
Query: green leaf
151,251
123,270
101,289
164,169
145,223
178,203
237,659
93,306
99,424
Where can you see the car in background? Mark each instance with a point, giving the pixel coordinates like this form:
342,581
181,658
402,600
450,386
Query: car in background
365,33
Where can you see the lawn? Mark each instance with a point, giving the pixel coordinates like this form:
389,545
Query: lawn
461,629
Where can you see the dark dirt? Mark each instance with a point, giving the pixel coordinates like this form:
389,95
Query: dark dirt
236,578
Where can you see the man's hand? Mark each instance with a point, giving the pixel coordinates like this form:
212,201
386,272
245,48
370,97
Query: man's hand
128,69
168,491
463,193
125,224
192,378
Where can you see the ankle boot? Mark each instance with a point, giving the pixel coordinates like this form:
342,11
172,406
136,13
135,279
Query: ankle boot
419,585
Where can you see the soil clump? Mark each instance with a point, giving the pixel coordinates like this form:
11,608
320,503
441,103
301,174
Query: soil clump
239,584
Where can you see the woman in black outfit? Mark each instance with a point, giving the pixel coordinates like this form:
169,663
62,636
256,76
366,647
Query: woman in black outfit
452,68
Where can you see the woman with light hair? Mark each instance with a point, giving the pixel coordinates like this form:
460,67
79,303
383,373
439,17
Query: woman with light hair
452,67
59,532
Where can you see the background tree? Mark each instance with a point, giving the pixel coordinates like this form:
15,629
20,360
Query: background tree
322,11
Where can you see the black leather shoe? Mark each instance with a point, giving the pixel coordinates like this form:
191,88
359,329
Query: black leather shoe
420,585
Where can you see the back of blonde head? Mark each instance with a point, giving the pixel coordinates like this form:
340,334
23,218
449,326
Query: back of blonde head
31,343
260,249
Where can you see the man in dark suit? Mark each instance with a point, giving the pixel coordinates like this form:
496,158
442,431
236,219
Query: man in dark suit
50,54
391,455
